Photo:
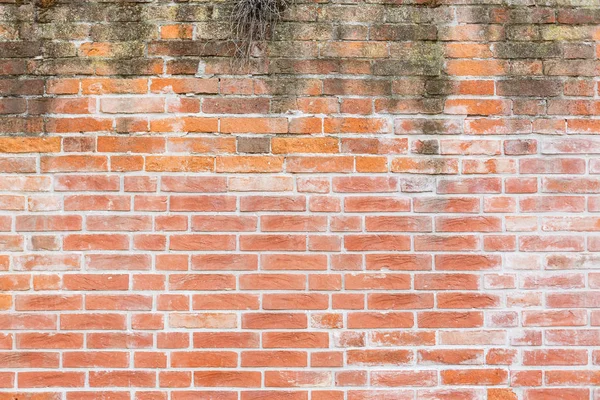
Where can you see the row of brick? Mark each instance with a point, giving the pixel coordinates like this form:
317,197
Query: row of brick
486,106
229,87
339,262
312,301
319,394
295,223
311,125
299,359
467,185
364,146
351,204
282,379
325,242
419,341
362,320
294,164
329,125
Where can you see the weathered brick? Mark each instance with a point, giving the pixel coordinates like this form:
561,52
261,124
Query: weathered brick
529,87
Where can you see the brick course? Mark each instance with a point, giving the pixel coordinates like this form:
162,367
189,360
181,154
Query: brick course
390,201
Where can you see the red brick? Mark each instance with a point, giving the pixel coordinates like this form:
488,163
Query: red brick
243,379
50,379
475,377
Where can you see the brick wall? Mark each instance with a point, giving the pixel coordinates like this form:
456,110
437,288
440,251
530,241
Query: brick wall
389,202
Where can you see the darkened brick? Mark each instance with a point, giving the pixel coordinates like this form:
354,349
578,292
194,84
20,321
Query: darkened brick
12,106
571,67
235,105
410,106
191,48
527,50
290,66
403,32
524,33
351,32
290,31
288,86
123,31
63,31
526,15
408,68
418,15
139,66
474,14
346,13
74,12
79,144
58,50
579,50
520,147
13,67
529,87
253,144
21,86
66,66
19,49
426,146
440,87
365,87
177,13
579,16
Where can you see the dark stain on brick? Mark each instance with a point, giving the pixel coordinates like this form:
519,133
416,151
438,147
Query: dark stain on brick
253,145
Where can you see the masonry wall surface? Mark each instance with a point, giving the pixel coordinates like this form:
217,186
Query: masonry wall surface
390,201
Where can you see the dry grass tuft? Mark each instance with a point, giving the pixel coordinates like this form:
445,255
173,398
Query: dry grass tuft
253,22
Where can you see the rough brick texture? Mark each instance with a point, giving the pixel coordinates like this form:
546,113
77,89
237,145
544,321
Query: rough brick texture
393,200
